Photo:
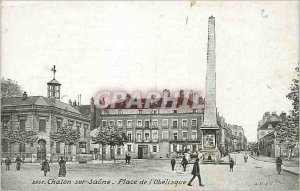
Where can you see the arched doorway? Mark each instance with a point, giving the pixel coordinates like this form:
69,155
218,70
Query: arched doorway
41,150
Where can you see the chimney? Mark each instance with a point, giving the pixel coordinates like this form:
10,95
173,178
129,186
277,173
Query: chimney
70,102
92,105
166,93
24,96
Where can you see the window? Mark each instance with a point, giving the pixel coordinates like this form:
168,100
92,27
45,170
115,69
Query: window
165,122
155,135
104,123
112,123
165,135
194,135
154,149
78,127
82,147
129,136
147,124
120,112
119,124
129,123
69,149
119,151
140,112
184,135
155,123
84,131
155,111
175,110
138,136
175,124
194,123
42,125
22,147
129,148
175,136
147,136
194,111
139,123
71,123
184,123
174,148
57,147
58,125
22,125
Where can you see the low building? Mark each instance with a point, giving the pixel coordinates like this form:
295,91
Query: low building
44,115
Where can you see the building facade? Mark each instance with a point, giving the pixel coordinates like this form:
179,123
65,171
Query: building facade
44,115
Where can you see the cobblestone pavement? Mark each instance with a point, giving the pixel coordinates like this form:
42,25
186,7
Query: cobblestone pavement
253,175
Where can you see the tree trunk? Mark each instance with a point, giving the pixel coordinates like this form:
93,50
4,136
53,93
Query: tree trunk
290,154
64,150
102,153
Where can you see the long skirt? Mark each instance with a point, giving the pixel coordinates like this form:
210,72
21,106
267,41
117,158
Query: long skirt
62,170
18,165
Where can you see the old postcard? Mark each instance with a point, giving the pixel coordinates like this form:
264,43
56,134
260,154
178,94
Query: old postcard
150,95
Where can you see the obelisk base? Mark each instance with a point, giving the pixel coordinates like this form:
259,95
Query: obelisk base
214,156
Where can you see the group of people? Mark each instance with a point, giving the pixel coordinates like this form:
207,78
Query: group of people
45,165
195,171
8,162
62,167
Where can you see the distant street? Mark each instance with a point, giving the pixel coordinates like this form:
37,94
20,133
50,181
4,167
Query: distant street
254,175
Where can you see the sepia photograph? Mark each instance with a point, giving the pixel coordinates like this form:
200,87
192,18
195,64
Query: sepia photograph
149,95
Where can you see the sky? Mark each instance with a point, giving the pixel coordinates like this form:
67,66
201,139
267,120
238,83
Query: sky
148,45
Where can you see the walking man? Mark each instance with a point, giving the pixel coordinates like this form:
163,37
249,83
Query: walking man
184,163
196,172
231,164
7,163
173,162
278,164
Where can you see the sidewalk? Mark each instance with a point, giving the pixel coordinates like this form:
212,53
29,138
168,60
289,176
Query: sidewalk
288,166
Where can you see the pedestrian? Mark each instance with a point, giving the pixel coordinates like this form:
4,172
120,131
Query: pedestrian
129,158
7,163
231,164
278,164
18,162
62,167
245,158
173,162
126,158
45,167
184,163
196,173
23,158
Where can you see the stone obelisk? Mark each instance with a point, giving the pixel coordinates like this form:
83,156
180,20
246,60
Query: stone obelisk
209,128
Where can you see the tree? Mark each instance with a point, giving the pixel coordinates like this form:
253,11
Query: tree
10,88
65,134
109,135
288,129
8,137
25,137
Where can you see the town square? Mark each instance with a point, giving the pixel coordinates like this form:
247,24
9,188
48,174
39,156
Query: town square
182,95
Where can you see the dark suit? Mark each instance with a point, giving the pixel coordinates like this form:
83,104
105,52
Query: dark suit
173,162
196,173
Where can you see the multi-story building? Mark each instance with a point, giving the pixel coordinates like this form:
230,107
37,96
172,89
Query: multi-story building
154,132
44,115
